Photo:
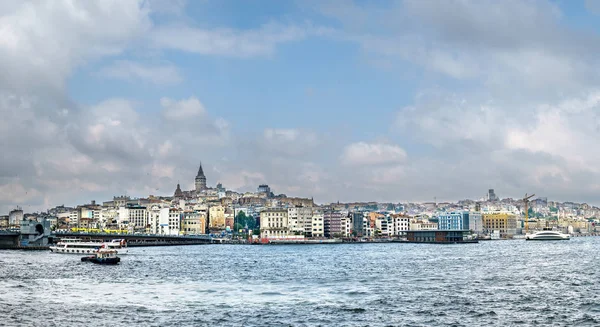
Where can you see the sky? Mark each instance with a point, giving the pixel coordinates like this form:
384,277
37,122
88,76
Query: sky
337,100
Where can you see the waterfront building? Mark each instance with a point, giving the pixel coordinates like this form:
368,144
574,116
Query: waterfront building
346,223
193,223
73,218
300,220
382,226
229,218
368,228
15,217
158,219
457,220
216,218
88,215
332,223
422,224
438,236
174,226
274,223
108,217
475,222
138,218
4,222
504,223
358,223
400,224
317,224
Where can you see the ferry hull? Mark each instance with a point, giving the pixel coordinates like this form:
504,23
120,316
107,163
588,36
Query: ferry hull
62,250
547,239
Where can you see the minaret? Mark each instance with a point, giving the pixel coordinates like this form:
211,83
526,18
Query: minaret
200,180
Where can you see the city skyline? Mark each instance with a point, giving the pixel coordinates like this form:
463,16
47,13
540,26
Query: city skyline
340,101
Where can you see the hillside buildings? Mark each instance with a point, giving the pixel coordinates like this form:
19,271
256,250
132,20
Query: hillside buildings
208,210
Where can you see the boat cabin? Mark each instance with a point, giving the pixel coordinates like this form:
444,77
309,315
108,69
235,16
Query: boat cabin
105,254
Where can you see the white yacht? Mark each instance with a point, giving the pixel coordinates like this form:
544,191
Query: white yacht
547,235
77,246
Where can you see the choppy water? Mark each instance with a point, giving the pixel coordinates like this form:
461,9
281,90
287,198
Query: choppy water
503,283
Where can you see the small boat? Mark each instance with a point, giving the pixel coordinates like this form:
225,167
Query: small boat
103,257
547,235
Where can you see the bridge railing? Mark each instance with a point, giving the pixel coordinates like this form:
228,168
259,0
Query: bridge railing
200,236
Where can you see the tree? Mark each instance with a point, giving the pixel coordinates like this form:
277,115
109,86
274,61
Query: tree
244,221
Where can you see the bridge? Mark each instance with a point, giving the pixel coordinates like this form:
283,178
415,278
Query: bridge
134,240
12,239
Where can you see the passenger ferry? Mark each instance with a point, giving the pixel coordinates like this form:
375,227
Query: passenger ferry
77,246
547,235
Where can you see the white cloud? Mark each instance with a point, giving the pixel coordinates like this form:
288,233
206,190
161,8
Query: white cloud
281,135
54,37
182,109
505,46
230,42
363,153
160,74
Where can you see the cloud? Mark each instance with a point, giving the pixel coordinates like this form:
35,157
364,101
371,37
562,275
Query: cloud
230,42
363,153
55,37
161,74
506,98
281,135
501,47
183,109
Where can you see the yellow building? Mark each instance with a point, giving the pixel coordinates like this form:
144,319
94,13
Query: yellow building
216,218
193,223
504,223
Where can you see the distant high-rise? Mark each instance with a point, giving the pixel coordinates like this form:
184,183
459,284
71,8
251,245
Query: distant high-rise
200,181
264,188
492,195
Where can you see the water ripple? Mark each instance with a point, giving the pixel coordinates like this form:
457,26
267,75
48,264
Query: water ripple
504,283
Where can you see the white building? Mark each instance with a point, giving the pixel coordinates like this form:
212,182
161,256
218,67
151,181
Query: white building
138,218
346,225
174,221
274,223
299,220
416,224
158,219
15,217
400,224
108,217
317,225
476,222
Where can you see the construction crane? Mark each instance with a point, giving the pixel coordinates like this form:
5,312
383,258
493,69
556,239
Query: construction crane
526,201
